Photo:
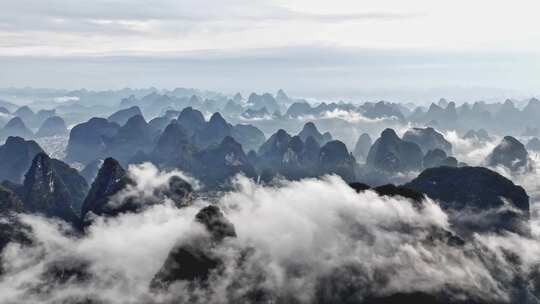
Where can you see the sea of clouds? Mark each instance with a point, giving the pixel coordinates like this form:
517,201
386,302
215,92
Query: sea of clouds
314,240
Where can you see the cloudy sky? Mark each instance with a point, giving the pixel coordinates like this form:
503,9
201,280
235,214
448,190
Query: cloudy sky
307,46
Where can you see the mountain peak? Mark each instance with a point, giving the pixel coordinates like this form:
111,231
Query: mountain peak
428,139
15,122
53,125
510,153
389,133
509,103
23,111
217,120
111,178
310,129
310,126
122,116
361,148
45,192
390,153
215,222
434,107
229,142
191,119
136,121
281,96
237,97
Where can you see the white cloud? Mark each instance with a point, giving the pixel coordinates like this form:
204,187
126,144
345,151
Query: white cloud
470,151
354,117
303,234
414,44
67,27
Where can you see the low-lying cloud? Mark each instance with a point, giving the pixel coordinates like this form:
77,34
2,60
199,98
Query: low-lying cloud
310,240
470,151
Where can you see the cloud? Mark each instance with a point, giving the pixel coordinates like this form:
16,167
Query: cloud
123,253
136,17
307,240
62,28
472,152
354,117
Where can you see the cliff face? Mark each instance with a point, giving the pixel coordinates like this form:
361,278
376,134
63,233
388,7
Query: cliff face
110,179
45,190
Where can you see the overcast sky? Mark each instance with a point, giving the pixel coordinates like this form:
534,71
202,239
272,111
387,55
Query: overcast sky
343,45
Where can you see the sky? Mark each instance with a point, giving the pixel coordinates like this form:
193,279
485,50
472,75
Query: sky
340,48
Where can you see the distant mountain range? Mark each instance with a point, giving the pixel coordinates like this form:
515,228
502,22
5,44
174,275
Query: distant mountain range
397,172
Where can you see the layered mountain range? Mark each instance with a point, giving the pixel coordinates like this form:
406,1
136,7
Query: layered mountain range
443,183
